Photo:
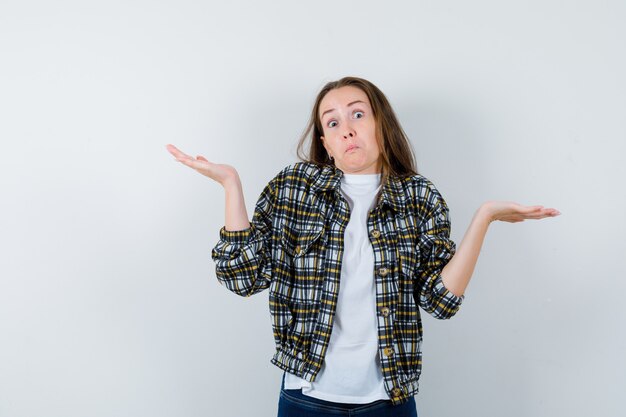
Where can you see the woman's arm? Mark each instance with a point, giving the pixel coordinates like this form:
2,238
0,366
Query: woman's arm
242,254
227,176
243,257
236,213
458,271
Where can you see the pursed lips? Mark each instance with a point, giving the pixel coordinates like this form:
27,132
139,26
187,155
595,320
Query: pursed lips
351,147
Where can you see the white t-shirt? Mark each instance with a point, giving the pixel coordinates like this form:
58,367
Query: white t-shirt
351,370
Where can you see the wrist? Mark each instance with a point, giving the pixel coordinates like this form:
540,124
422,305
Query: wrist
485,213
232,183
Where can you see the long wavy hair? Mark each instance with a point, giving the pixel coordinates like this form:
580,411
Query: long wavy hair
395,148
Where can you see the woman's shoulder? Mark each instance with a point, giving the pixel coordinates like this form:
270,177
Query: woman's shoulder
303,168
414,182
420,181
297,172
423,190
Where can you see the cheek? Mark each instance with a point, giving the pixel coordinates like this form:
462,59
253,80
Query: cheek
372,127
328,145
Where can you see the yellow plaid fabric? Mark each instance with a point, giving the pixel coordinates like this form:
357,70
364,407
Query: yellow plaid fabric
294,246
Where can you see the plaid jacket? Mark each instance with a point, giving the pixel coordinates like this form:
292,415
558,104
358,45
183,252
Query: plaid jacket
294,247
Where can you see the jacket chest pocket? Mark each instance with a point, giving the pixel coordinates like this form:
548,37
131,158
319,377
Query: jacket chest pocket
303,263
408,285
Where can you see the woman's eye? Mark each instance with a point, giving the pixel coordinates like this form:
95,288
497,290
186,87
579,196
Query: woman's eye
333,123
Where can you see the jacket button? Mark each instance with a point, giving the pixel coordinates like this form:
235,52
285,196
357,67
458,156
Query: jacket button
375,234
383,271
385,311
396,392
298,249
388,351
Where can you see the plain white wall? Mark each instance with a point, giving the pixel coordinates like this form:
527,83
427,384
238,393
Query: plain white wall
109,305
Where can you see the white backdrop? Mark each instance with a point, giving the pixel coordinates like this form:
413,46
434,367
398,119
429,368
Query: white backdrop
109,305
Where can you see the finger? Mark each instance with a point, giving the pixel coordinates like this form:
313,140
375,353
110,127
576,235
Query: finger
172,149
202,158
538,216
190,162
176,152
529,210
198,164
550,212
534,215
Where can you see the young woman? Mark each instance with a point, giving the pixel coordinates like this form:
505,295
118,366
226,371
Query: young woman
350,242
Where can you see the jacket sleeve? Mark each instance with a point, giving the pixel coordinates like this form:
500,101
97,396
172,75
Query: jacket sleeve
435,249
243,257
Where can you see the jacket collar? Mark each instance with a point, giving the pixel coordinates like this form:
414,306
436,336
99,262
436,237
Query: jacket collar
393,193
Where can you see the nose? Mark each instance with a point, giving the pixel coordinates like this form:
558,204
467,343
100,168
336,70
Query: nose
349,133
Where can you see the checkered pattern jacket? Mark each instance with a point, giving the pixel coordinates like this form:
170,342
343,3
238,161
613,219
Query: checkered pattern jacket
294,247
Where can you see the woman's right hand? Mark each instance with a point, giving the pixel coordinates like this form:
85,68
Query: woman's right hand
221,173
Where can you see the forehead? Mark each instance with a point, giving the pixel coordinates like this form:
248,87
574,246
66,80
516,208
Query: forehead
341,97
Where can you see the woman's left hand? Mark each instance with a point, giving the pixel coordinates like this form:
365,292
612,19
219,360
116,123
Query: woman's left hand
509,211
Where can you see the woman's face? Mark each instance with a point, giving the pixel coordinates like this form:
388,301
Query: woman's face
350,131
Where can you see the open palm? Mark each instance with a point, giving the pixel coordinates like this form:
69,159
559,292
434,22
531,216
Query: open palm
509,211
221,173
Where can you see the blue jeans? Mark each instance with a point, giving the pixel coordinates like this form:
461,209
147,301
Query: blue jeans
292,403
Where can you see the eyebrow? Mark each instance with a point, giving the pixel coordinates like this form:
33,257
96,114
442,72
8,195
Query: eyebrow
349,104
